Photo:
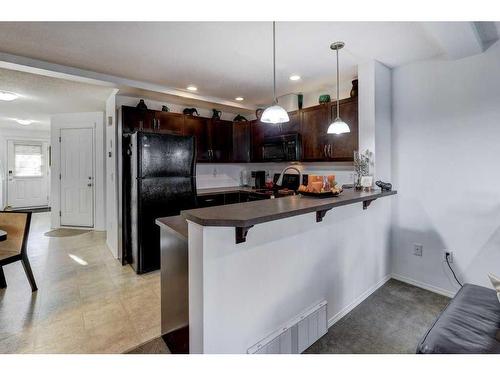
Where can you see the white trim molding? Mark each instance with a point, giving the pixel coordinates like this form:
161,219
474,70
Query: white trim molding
420,284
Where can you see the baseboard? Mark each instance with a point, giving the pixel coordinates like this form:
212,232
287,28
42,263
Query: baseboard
334,319
422,285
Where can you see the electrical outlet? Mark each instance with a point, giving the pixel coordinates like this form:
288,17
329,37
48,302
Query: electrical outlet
450,256
417,249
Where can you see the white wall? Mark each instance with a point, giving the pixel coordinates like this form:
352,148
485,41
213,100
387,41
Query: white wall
446,124
16,134
79,120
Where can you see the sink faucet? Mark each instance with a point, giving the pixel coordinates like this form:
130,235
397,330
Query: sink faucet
280,179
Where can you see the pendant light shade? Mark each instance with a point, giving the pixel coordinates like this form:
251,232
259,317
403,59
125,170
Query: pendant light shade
274,114
338,126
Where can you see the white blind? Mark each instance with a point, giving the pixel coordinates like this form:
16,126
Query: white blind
28,160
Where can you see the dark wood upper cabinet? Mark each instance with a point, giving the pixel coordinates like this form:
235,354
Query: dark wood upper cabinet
169,123
313,127
257,133
199,128
241,141
292,126
136,119
342,146
221,140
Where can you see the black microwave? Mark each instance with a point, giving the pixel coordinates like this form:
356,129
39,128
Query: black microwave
281,148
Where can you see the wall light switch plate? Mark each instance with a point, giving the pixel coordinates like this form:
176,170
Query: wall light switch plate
417,249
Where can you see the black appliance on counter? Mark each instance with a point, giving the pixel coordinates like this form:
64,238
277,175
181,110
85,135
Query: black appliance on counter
281,148
159,180
259,179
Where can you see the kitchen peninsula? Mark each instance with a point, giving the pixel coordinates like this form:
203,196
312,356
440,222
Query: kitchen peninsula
253,266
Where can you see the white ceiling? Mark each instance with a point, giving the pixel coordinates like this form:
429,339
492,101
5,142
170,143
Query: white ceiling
42,96
223,59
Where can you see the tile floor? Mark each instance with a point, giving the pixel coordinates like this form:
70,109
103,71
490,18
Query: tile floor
87,302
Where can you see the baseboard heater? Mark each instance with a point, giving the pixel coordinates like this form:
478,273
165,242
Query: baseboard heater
297,334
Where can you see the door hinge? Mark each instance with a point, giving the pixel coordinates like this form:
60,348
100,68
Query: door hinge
59,213
60,176
59,139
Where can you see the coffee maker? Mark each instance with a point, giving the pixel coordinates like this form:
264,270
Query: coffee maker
259,179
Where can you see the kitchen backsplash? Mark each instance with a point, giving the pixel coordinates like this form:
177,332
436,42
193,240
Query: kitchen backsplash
223,175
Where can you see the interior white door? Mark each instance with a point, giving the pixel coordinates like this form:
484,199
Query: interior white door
27,174
77,177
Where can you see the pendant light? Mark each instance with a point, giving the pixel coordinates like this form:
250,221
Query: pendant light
338,126
274,114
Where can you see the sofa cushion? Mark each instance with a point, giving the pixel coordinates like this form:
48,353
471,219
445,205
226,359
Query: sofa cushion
469,324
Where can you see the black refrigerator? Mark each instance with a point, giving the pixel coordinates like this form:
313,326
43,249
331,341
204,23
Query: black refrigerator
161,182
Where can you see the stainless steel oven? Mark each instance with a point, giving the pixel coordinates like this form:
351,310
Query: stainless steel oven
281,148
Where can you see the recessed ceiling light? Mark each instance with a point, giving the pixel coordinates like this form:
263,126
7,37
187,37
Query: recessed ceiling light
8,96
294,77
192,88
238,98
24,122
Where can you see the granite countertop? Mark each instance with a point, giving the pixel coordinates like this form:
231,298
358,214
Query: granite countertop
256,212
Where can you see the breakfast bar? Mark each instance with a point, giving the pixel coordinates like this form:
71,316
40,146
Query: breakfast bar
263,211
237,294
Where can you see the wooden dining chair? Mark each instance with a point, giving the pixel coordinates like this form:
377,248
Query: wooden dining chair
17,226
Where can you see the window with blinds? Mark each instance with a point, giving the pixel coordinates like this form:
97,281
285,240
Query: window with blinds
28,160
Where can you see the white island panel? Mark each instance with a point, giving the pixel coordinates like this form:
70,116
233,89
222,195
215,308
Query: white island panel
240,293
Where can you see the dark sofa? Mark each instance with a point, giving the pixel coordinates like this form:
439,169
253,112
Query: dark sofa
469,324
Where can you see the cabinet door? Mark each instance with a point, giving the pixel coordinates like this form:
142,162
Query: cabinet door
230,198
198,126
134,119
241,142
169,123
221,140
259,132
314,124
257,138
292,126
342,146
